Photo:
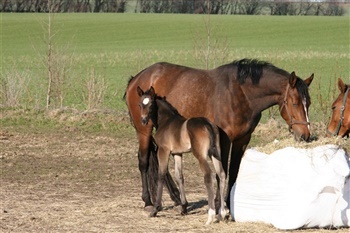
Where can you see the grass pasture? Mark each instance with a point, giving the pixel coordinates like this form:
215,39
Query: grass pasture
114,46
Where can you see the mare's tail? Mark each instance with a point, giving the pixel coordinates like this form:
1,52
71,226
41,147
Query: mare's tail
153,177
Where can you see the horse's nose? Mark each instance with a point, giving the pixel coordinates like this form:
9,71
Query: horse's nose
144,120
301,136
305,137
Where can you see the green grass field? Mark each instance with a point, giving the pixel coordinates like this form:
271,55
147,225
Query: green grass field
115,46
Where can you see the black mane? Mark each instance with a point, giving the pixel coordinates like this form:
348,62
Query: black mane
253,69
168,105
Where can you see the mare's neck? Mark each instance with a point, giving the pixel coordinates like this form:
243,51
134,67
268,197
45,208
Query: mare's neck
269,92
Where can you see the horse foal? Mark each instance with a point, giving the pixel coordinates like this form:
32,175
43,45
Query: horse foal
176,135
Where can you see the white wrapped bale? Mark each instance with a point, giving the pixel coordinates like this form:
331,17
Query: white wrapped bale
293,188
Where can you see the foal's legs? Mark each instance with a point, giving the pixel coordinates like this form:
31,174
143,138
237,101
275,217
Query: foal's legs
222,180
163,158
208,180
224,146
200,152
180,181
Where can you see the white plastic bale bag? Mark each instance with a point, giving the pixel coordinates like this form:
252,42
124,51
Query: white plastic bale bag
293,188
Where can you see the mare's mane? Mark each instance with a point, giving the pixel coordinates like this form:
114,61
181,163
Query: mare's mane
253,69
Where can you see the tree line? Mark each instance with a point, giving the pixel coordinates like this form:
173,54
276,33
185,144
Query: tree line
244,7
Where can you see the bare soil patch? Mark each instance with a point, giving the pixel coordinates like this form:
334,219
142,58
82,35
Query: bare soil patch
76,182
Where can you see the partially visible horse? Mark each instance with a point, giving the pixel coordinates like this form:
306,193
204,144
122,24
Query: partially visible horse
339,124
231,96
176,135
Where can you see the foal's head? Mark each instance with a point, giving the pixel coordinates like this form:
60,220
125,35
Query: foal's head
146,104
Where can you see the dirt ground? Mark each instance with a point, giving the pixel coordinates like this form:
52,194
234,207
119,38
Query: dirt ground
74,182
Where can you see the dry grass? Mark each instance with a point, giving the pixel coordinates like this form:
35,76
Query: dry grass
69,181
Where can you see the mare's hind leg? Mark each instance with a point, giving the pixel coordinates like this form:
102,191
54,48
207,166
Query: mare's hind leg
163,157
180,182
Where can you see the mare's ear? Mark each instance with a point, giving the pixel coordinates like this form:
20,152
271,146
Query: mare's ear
139,91
292,79
152,92
309,80
341,85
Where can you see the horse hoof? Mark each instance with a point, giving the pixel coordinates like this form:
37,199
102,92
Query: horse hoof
153,214
149,208
211,216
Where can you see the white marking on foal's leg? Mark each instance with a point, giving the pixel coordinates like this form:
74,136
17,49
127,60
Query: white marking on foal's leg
211,216
222,214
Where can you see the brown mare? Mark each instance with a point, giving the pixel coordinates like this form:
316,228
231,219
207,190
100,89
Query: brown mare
232,96
339,124
176,135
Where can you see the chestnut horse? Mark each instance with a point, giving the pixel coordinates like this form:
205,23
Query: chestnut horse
339,124
231,96
176,135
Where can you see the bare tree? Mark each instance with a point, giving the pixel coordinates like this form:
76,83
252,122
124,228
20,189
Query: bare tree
58,64
306,7
334,8
208,48
251,7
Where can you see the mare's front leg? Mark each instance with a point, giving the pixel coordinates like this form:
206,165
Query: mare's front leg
180,182
237,151
163,158
143,157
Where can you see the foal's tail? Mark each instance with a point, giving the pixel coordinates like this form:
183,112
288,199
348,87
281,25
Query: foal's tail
213,148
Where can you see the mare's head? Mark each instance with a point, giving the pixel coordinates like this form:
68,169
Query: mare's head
146,104
339,124
295,106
